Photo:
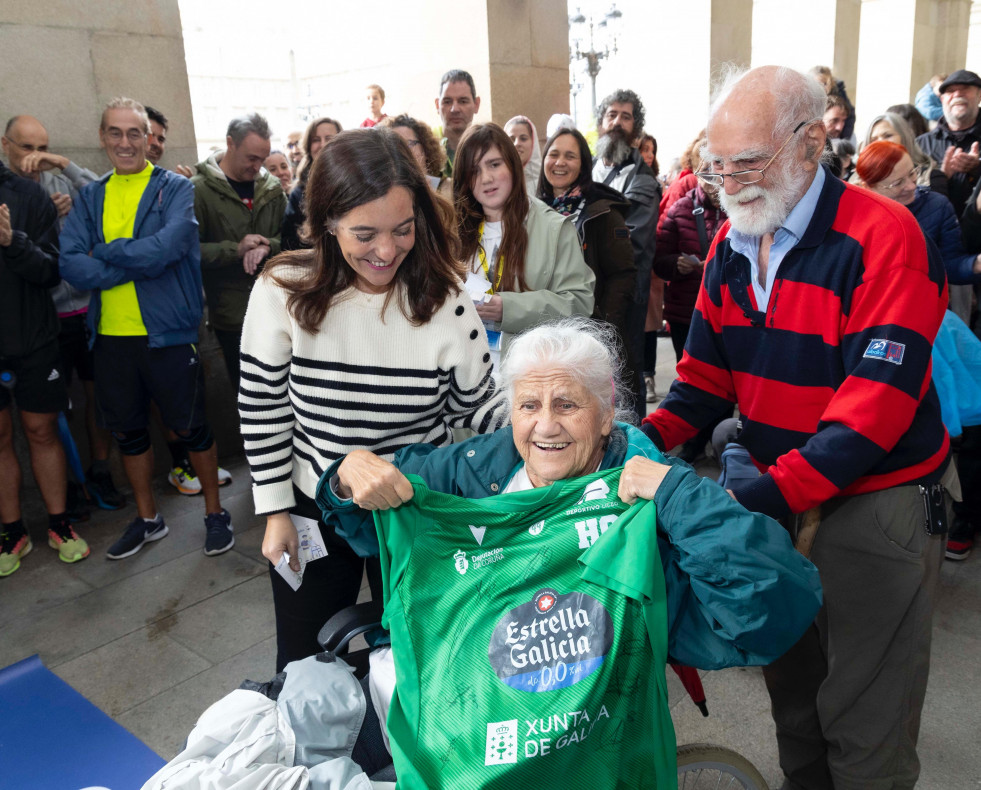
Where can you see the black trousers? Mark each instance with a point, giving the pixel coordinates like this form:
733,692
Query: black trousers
329,584
230,341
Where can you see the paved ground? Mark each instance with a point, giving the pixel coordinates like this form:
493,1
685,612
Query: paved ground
154,639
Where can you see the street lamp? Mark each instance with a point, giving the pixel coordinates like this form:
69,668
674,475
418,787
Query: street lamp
606,28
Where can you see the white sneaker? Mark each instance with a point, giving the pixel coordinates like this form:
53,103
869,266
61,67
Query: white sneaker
651,392
224,477
184,481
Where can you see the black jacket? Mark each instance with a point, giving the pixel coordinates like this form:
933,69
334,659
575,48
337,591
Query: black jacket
605,241
936,142
28,267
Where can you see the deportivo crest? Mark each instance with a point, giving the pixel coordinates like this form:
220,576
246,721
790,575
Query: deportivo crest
886,350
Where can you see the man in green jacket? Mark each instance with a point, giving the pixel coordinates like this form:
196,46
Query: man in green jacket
239,208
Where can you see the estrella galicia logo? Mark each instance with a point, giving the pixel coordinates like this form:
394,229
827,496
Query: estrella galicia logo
550,642
886,350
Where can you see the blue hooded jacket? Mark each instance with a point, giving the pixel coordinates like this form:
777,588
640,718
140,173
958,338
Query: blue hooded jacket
163,258
738,592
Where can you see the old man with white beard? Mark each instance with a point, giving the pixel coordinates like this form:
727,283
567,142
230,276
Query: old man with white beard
817,314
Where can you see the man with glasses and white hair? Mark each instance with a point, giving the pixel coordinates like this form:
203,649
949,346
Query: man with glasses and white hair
817,314
132,240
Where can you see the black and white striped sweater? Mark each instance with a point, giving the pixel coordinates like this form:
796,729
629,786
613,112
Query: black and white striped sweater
361,382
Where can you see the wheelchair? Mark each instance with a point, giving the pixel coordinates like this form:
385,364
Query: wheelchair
701,766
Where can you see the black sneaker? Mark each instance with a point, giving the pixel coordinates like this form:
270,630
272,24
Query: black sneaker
76,506
139,531
103,491
219,538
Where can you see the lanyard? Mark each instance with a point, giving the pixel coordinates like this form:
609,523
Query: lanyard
483,262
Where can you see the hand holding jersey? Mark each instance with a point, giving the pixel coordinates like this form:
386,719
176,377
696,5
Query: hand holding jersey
372,482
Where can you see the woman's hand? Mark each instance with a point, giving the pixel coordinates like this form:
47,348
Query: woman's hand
492,310
280,536
640,479
373,483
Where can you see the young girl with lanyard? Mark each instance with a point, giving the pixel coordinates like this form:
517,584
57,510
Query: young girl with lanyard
525,263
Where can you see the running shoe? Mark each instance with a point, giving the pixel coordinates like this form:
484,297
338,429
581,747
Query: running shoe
103,491
956,549
13,546
224,477
139,531
183,479
219,538
63,538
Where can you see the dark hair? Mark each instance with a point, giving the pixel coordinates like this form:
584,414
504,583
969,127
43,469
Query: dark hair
310,131
435,156
655,166
476,142
623,96
913,117
360,166
253,123
458,75
835,100
585,177
156,116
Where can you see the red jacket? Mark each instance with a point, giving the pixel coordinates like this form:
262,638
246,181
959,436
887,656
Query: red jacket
833,375
677,232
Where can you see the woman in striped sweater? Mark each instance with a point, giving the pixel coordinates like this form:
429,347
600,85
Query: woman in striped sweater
365,341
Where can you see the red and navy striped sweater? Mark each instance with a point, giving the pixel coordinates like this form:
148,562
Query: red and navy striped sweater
834,379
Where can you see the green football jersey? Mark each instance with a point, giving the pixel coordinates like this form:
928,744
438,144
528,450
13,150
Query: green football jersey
530,640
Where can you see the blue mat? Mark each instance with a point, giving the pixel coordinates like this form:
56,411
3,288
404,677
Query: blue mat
43,720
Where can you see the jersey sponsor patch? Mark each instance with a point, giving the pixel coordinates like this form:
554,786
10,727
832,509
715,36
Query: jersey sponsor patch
886,350
550,642
598,489
460,562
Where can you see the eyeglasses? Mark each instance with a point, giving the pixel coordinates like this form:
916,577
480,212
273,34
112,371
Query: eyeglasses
746,177
27,147
913,175
115,135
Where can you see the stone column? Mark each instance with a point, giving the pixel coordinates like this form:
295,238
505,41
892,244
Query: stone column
64,59
933,32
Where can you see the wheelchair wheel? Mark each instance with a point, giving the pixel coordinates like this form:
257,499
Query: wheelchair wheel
704,765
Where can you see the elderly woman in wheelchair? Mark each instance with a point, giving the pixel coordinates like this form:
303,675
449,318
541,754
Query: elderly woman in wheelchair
538,579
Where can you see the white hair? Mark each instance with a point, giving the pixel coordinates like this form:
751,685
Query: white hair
587,350
797,96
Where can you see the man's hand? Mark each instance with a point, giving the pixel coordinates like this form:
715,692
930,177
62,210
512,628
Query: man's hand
958,161
253,258
36,161
641,477
250,242
492,310
184,170
63,203
6,231
372,482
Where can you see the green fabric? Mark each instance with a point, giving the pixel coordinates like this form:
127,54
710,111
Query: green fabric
223,221
467,586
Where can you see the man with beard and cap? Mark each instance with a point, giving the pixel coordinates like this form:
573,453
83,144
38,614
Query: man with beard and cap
955,140
618,164
817,314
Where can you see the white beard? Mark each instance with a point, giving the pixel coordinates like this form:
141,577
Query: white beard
767,215
613,148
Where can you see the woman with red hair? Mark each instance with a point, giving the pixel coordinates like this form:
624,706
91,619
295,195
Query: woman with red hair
887,169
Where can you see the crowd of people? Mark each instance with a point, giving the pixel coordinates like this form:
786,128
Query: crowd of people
366,286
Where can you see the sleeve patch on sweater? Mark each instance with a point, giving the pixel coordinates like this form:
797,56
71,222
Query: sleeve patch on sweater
886,350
